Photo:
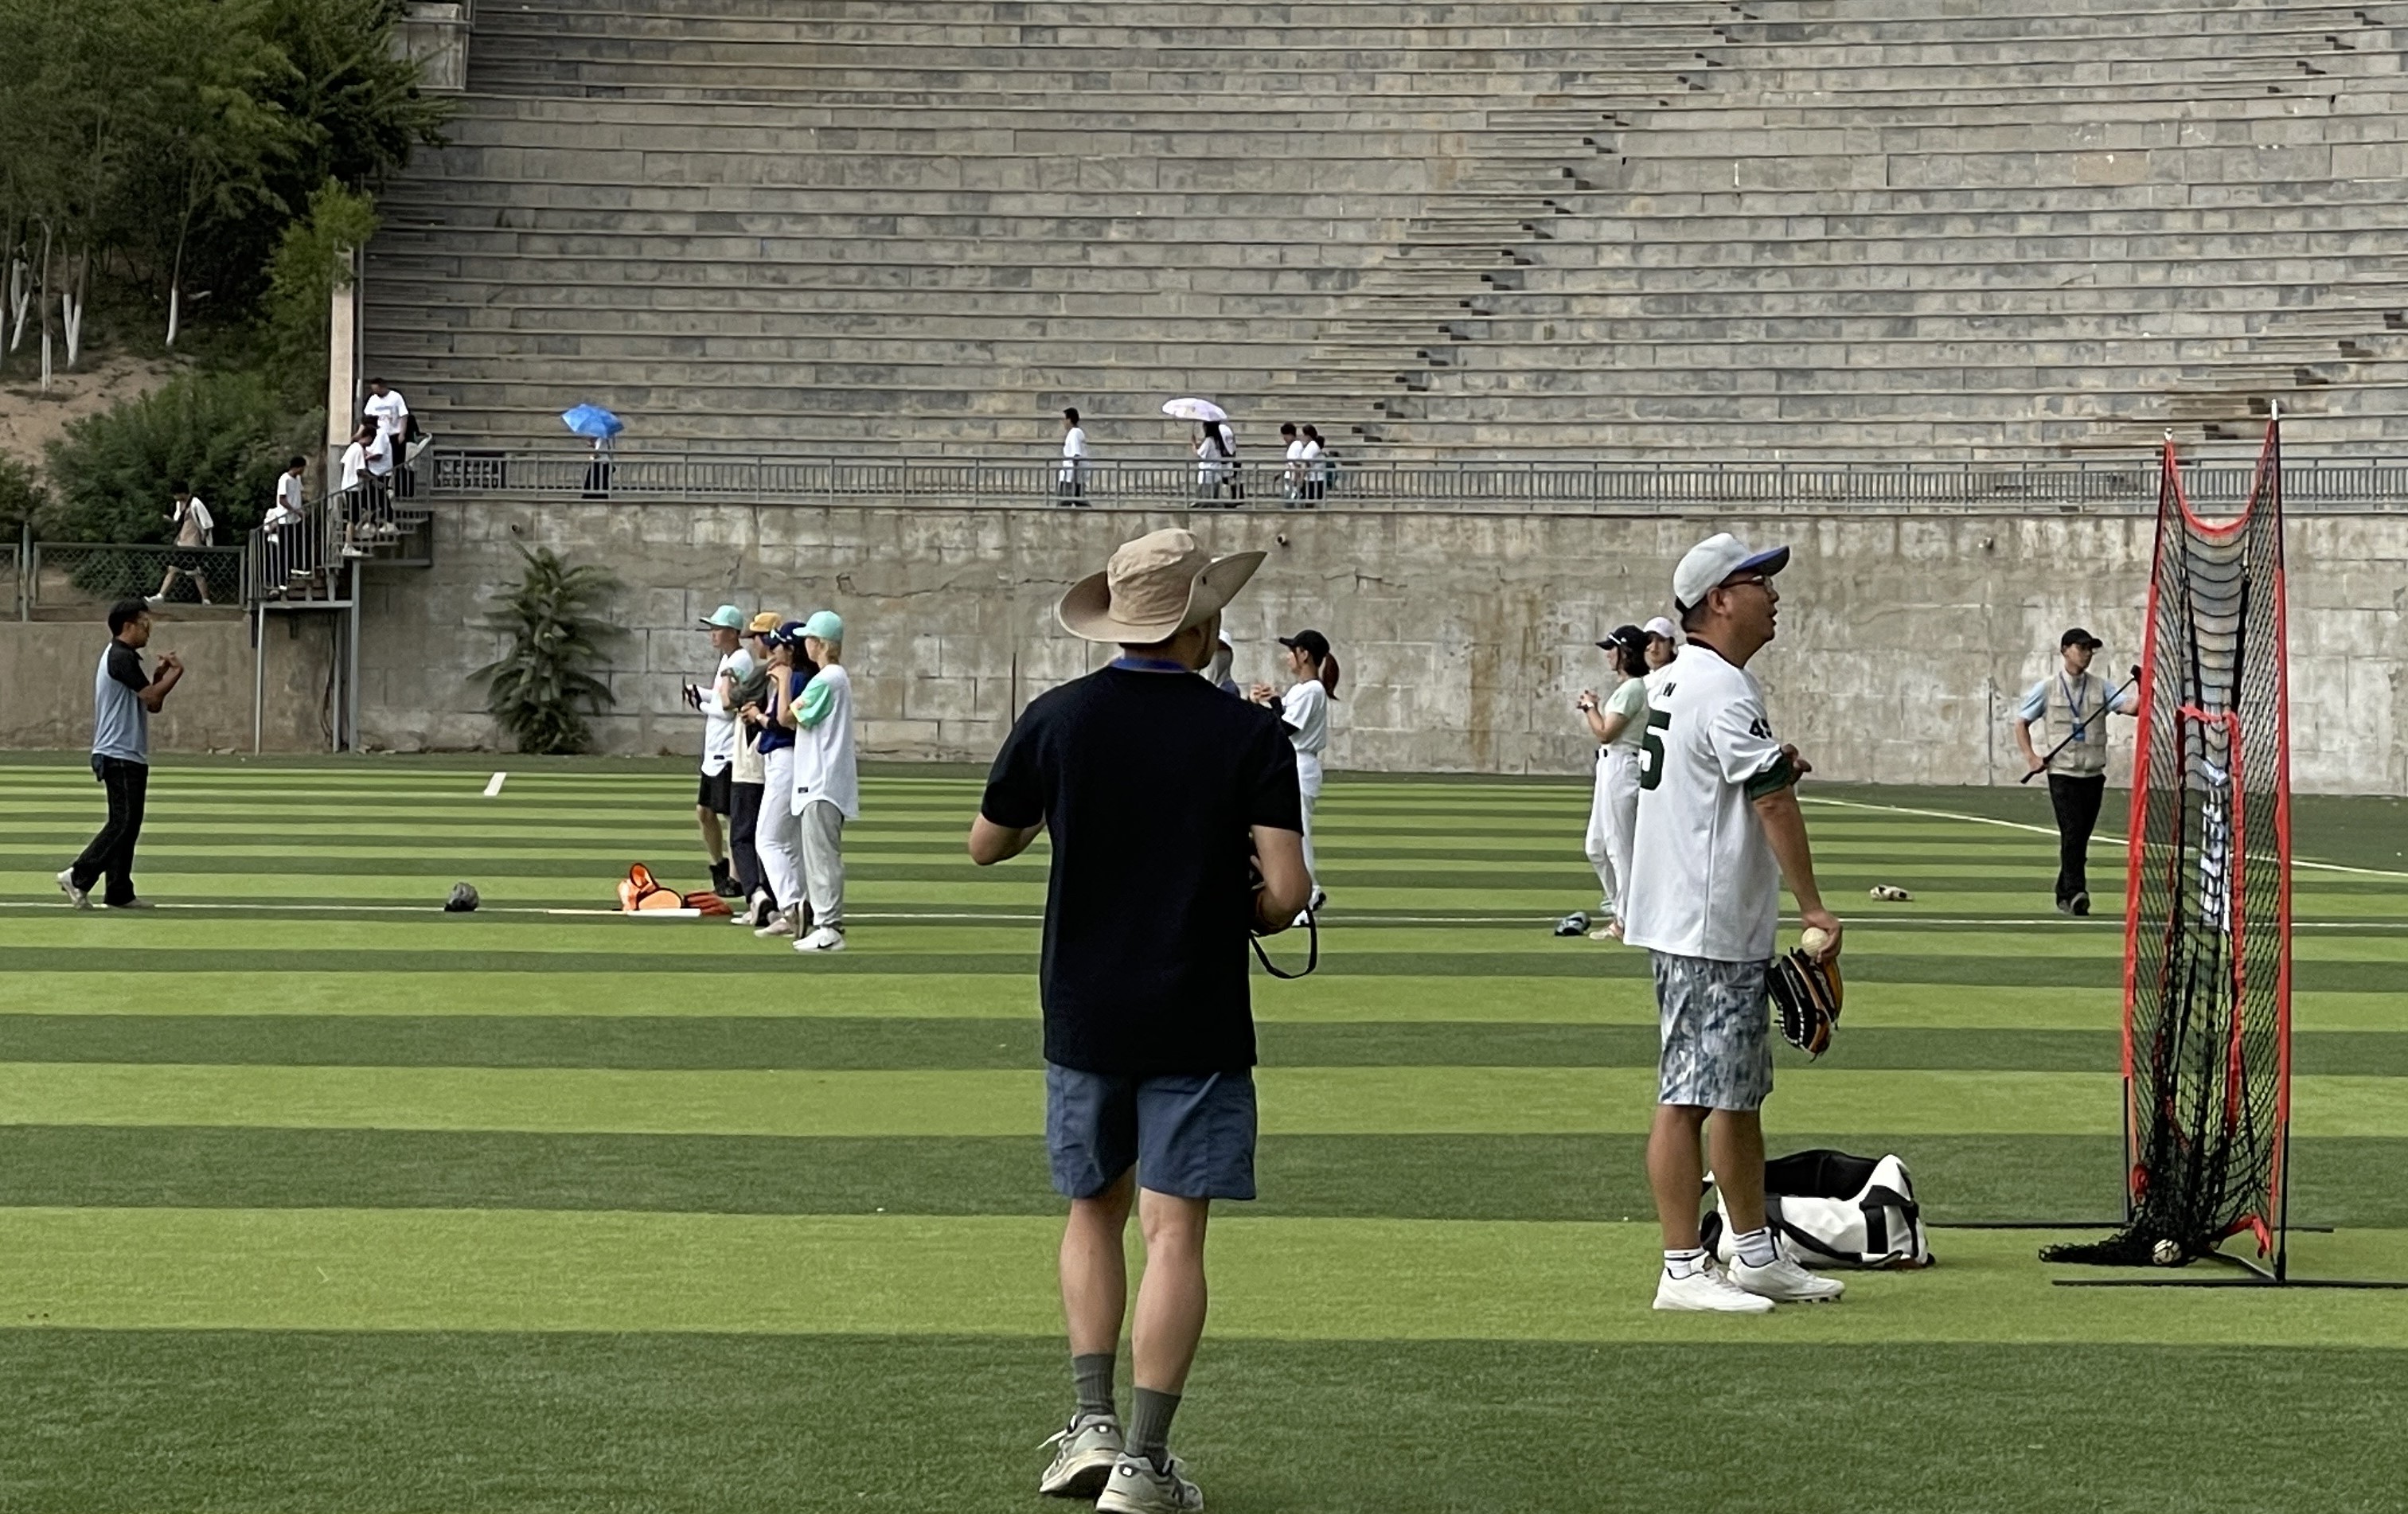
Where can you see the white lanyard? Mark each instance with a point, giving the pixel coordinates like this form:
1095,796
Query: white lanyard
2074,706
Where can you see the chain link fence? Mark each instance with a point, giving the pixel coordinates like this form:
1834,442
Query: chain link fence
55,578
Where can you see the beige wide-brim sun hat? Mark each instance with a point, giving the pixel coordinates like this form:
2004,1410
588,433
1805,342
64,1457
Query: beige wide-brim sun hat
1154,588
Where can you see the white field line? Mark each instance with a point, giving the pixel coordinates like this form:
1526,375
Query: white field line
494,785
2098,839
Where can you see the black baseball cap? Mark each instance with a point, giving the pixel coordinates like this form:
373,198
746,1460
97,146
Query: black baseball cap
1308,641
2079,637
1625,636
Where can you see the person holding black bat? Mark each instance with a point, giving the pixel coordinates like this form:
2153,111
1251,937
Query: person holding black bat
2074,703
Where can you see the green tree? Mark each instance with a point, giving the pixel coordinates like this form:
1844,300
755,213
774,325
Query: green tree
543,687
224,434
312,259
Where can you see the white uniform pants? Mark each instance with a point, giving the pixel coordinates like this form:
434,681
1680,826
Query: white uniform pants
1308,787
1612,822
822,826
777,836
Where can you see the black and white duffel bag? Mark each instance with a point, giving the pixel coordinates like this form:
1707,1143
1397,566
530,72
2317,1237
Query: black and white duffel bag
1836,1210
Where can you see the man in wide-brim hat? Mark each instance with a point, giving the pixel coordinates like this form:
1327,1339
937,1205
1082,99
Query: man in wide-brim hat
1159,790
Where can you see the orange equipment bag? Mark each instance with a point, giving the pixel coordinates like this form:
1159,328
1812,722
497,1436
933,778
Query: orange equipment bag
639,891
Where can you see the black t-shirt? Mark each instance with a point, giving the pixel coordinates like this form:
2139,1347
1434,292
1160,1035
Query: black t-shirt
1149,783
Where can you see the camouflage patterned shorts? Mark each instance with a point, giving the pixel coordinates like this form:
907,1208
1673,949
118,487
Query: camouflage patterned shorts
1717,1026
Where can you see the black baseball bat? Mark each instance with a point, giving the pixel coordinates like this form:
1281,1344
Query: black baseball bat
2069,740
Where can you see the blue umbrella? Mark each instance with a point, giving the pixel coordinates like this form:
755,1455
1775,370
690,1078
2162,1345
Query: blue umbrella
592,421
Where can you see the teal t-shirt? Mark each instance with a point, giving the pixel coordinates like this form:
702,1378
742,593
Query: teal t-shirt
1630,701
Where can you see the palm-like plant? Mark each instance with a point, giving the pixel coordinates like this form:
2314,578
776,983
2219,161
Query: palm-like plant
542,689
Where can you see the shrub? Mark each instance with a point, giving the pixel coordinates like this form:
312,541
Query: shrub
542,689
116,472
23,498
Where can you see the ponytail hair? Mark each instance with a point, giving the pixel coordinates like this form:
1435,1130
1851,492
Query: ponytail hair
1327,673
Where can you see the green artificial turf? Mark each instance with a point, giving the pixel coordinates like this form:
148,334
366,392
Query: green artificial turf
313,1198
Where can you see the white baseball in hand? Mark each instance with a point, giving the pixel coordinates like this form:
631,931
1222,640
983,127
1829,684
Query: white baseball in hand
1814,941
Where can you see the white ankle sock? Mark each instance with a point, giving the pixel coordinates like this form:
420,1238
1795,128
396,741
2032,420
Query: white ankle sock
1685,1263
1755,1247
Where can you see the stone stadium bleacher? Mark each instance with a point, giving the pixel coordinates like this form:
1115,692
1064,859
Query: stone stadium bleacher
1685,231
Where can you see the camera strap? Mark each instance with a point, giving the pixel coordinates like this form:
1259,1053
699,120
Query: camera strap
1312,954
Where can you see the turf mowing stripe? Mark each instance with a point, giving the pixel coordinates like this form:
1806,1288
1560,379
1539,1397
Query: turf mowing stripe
894,1042
1273,1279
2326,976
2349,1182
1295,1100
706,1423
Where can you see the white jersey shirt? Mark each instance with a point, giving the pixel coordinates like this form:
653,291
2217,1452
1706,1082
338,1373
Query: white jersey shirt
1704,882
355,463
827,771
1305,709
717,720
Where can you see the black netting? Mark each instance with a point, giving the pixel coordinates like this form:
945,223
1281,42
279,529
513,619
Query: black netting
2207,950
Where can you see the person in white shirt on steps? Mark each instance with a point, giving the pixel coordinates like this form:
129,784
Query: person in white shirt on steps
353,486
1719,829
827,779
1071,487
391,413
1304,710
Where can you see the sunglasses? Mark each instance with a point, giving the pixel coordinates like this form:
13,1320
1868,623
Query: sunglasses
1742,581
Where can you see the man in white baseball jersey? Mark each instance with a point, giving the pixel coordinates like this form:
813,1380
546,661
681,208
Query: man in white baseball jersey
715,795
2075,704
1718,831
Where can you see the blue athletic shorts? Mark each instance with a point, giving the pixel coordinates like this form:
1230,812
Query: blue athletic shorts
1189,1134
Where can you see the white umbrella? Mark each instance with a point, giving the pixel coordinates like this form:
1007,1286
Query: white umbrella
1193,409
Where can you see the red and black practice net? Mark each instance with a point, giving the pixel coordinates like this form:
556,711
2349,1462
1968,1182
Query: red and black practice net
2207,914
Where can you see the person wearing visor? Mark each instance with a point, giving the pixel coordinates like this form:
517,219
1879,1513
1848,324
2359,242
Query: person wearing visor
714,800
2074,703
1719,830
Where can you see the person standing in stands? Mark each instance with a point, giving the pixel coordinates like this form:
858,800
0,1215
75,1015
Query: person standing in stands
827,779
1318,463
1071,488
748,775
123,699
194,528
714,799
1304,712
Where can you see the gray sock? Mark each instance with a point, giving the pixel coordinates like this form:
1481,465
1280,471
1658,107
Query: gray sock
1149,1430
1092,1376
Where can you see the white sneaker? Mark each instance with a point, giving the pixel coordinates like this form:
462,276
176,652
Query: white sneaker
826,938
1783,1281
1137,1488
781,923
154,601
81,898
1088,1447
1706,1291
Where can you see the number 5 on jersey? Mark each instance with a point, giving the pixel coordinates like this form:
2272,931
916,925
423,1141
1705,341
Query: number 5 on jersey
1650,745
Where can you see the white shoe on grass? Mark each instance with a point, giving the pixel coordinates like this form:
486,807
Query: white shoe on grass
81,898
781,923
1085,1450
1783,1281
826,938
1706,1291
1139,1487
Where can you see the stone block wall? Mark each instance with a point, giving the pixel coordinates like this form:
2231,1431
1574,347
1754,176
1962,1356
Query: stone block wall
47,668
1904,639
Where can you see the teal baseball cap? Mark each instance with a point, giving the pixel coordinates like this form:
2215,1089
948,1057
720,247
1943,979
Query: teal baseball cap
827,625
726,618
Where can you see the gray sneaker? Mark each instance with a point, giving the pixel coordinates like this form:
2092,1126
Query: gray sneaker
1085,1450
1139,1487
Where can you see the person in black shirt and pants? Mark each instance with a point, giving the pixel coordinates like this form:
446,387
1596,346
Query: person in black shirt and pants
1176,831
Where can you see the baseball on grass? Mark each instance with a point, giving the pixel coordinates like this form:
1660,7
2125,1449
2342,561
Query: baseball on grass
1814,938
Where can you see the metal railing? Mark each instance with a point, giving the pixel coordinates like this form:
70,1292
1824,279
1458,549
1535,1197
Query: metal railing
90,576
2102,485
